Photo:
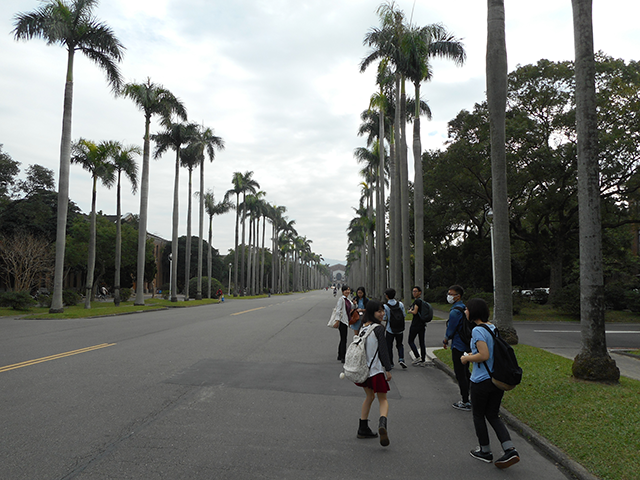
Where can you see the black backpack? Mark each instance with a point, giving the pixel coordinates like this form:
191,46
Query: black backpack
425,312
464,329
506,374
397,318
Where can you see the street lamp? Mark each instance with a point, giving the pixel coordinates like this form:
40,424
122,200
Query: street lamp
229,279
488,214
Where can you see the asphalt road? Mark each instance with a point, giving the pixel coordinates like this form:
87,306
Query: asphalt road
248,389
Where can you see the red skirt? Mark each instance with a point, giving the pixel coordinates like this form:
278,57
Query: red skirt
378,383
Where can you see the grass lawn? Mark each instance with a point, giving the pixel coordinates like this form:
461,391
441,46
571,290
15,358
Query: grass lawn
101,308
546,313
597,425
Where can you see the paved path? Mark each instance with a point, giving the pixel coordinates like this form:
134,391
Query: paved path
240,390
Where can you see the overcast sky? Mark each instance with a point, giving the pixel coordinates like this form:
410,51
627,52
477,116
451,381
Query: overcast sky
278,80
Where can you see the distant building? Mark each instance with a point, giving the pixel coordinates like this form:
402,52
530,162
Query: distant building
338,273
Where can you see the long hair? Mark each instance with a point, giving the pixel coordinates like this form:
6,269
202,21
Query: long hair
369,312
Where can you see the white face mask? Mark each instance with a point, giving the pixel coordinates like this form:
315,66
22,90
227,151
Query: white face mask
450,298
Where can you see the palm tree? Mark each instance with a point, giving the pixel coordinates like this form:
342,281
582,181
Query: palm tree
242,184
204,141
213,209
123,162
593,362
189,158
277,221
497,102
419,45
386,44
174,136
93,158
153,100
72,25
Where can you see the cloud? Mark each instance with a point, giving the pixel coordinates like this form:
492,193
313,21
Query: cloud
278,80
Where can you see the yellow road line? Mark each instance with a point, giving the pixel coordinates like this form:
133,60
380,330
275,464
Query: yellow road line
247,311
54,357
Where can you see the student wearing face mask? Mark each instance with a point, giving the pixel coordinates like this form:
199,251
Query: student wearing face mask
458,345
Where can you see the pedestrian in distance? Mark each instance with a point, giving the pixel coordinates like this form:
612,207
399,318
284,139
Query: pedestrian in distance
394,315
377,385
485,396
458,345
418,328
343,310
360,302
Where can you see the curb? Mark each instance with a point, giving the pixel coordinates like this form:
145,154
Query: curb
554,453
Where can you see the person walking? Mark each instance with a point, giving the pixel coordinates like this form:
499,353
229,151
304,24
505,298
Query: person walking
458,345
379,373
485,396
360,302
418,328
394,314
343,311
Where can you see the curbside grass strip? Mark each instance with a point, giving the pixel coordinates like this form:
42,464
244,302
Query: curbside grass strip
533,437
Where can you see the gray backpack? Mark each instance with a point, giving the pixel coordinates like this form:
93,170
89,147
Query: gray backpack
355,365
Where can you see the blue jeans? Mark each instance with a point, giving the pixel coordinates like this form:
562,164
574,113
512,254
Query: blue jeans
390,337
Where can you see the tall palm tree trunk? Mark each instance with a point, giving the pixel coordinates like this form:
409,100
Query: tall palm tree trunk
91,262
63,189
243,278
174,233
187,253
404,199
497,101
381,247
142,223
209,255
593,362
264,228
250,256
235,252
116,283
418,196
200,232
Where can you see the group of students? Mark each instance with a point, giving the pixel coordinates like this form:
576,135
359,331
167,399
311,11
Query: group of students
478,392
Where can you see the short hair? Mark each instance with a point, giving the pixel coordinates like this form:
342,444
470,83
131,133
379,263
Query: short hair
369,311
416,287
478,310
458,289
390,293
345,287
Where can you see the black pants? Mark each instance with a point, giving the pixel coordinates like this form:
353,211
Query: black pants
342,346
485,402
419,331
390,337
462,374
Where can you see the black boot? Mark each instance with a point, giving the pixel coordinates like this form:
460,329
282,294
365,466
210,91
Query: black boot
364,431
382,430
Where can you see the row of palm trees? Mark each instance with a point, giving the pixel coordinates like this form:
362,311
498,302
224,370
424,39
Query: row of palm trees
72,25
293,265
402,51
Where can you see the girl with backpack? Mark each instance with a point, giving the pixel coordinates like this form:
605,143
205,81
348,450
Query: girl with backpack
485,396
379,372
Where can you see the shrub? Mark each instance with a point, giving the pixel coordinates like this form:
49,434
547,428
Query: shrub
215,286
632,298
17,300
125,294
568,300
70,298
44,300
